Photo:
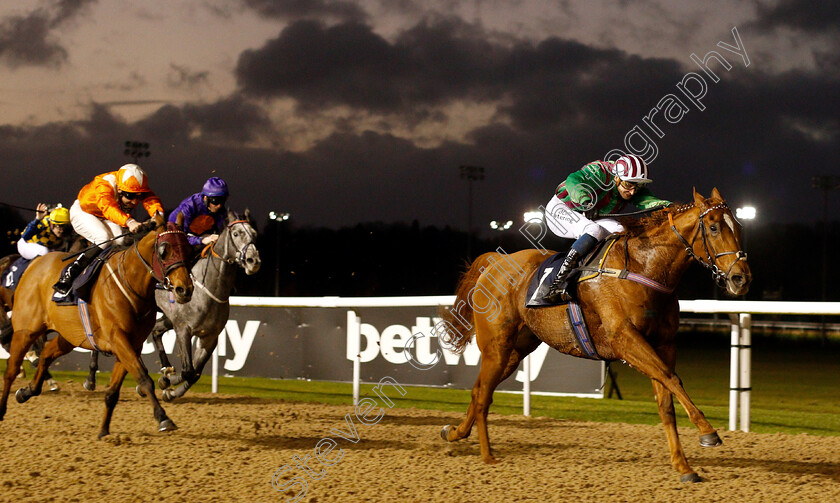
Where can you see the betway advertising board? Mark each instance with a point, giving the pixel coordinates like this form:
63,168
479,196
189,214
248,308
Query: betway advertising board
320,343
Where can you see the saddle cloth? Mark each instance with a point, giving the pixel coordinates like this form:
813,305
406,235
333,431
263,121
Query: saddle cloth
544,277
11,276
83,283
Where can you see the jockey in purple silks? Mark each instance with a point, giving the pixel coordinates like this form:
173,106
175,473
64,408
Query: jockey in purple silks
204,212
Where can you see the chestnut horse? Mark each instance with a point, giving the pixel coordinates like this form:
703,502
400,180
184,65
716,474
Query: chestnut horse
121,313
627,320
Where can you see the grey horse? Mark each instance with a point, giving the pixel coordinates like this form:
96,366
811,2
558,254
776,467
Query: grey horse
205,315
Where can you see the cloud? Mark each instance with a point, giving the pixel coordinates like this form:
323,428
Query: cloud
28,40
181,77
554,104
348,64
301,9
434,63
808,15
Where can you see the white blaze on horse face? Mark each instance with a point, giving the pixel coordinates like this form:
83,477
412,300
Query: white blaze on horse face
729,221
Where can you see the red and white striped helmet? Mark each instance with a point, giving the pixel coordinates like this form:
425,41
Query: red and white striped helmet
631,168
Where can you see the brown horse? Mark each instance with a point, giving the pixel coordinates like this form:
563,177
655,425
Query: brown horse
627,320
121,313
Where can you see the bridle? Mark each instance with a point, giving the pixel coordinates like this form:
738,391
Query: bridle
240,256
710,262
238,259
177,259
160,269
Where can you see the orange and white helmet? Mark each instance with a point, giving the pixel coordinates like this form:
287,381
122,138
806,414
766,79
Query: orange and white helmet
631,168
131,178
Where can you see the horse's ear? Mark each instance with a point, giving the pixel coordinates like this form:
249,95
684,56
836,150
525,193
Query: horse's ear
247,214
716,194
158,219
180,220
231,216
698,199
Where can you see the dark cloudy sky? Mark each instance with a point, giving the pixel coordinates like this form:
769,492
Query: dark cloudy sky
355,111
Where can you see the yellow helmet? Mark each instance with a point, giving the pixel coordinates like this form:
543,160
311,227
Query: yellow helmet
60,216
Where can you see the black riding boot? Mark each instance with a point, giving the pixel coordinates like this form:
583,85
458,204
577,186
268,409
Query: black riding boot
558,289
65,283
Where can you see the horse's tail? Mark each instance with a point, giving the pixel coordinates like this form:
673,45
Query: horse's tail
458,320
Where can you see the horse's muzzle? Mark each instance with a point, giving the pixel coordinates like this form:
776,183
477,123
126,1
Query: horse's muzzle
738,281
182,294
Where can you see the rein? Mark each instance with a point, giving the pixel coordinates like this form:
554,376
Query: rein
710,262
625,273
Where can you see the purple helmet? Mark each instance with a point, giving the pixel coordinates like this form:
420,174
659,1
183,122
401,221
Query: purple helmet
215,186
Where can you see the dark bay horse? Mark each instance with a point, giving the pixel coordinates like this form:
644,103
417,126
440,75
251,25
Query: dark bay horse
205,315
627,320
121,313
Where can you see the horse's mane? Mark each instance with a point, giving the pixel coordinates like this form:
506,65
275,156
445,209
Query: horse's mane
635,225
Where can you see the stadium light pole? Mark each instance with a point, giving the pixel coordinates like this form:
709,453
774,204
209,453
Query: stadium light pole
529,216
136,150
745,213
498,225
825,183
470,174
278,218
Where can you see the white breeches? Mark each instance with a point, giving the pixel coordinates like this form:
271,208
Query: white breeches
31,250
94,229
567,223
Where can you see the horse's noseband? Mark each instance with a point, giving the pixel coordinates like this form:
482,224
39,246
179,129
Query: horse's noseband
240,256
160,269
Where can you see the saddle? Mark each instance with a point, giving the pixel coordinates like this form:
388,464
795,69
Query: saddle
590,267
83,283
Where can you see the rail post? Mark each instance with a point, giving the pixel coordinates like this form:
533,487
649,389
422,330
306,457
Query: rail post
745,382
734,373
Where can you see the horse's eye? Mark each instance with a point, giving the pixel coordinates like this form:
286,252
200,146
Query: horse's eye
162,247
713,228
235,234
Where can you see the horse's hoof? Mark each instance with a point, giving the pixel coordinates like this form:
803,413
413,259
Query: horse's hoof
89,385
163,382
167,425
444,433
691,477
139,391
490,460
54,386
168,395
710,440
21,395
103,433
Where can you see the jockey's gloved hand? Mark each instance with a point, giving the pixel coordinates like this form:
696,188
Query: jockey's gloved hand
209,239
133,226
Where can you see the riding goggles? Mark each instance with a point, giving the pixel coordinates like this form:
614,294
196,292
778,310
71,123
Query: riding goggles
217,200
131,196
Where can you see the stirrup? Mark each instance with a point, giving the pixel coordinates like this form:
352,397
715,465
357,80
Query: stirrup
63,288
557,293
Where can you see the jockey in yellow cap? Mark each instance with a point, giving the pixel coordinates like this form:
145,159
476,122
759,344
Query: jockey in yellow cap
46,233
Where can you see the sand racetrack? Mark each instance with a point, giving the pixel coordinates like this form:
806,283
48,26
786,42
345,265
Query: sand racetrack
228,448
